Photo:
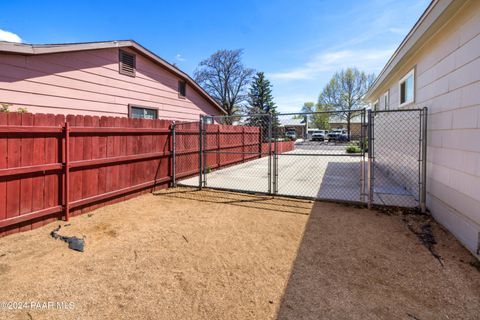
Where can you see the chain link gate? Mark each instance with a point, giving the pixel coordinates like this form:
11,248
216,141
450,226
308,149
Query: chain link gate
397,158
328,158
318,155
237,153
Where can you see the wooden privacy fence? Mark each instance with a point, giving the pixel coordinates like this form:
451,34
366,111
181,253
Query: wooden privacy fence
52,166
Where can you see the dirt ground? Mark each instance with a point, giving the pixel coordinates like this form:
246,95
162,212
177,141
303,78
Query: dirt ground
187,254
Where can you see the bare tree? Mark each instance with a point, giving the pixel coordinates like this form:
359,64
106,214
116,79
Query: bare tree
225,78
344,93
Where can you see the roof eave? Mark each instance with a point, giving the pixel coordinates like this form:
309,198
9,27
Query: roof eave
414,39
30,49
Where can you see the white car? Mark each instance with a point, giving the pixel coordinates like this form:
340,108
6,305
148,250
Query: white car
320,135
338,135
291,134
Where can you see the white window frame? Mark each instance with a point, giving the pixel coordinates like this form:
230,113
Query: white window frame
386,100
410,73
376,103
134,106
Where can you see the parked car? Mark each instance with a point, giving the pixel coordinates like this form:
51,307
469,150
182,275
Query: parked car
338,135
291,134
320,135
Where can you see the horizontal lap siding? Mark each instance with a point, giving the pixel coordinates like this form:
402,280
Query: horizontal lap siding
88,82
448,83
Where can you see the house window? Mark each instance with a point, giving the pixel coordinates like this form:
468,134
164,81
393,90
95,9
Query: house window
375,106
386,101
126,63
208,119
182,88
142,112
407,88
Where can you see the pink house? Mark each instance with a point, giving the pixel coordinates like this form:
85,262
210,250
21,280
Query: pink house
114,78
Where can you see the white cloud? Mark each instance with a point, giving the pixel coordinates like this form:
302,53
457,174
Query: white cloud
9,36
179,57
400,31
291,102
368,60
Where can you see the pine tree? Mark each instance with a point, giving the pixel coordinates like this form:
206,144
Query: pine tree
260,101
260,97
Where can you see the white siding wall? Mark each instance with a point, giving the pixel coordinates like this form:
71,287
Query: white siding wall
447,81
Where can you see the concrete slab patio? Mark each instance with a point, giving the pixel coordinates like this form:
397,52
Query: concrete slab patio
313,169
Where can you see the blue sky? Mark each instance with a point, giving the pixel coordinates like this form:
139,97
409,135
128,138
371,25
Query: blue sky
298,44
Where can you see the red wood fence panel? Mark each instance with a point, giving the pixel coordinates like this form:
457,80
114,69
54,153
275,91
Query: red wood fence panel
3,165
109,160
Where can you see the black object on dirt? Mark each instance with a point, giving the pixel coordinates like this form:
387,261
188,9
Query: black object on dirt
475,264
425,235
74,243
413,316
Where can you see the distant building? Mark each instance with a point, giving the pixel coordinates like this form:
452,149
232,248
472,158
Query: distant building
355,126
300,126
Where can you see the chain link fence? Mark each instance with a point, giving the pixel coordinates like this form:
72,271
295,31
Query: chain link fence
398,157
320,155
186,151
237,152
327,161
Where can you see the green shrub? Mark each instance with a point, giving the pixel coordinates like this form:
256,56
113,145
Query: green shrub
4,107
22,110
353,149
363,144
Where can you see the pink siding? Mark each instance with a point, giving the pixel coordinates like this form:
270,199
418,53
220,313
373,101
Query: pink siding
88,83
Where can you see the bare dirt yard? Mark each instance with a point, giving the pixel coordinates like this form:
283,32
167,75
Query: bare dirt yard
187,254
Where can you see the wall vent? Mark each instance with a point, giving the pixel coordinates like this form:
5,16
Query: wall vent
126,63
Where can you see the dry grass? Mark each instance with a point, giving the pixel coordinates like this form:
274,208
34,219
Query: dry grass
184,254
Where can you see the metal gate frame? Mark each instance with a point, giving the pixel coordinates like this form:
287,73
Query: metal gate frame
202,181
422,154
361,156
367,173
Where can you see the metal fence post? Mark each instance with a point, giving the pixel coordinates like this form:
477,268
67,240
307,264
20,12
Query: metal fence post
370,133
174,154
200,153
205,149
362,162
269,154
275,158
305,133
423,192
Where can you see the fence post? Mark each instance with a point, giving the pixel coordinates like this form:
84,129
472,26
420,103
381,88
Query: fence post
269,153
66,168
423,194
305,133
174,154
362,145
243,144
200,153
370,133
275,157
260,140
218,147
